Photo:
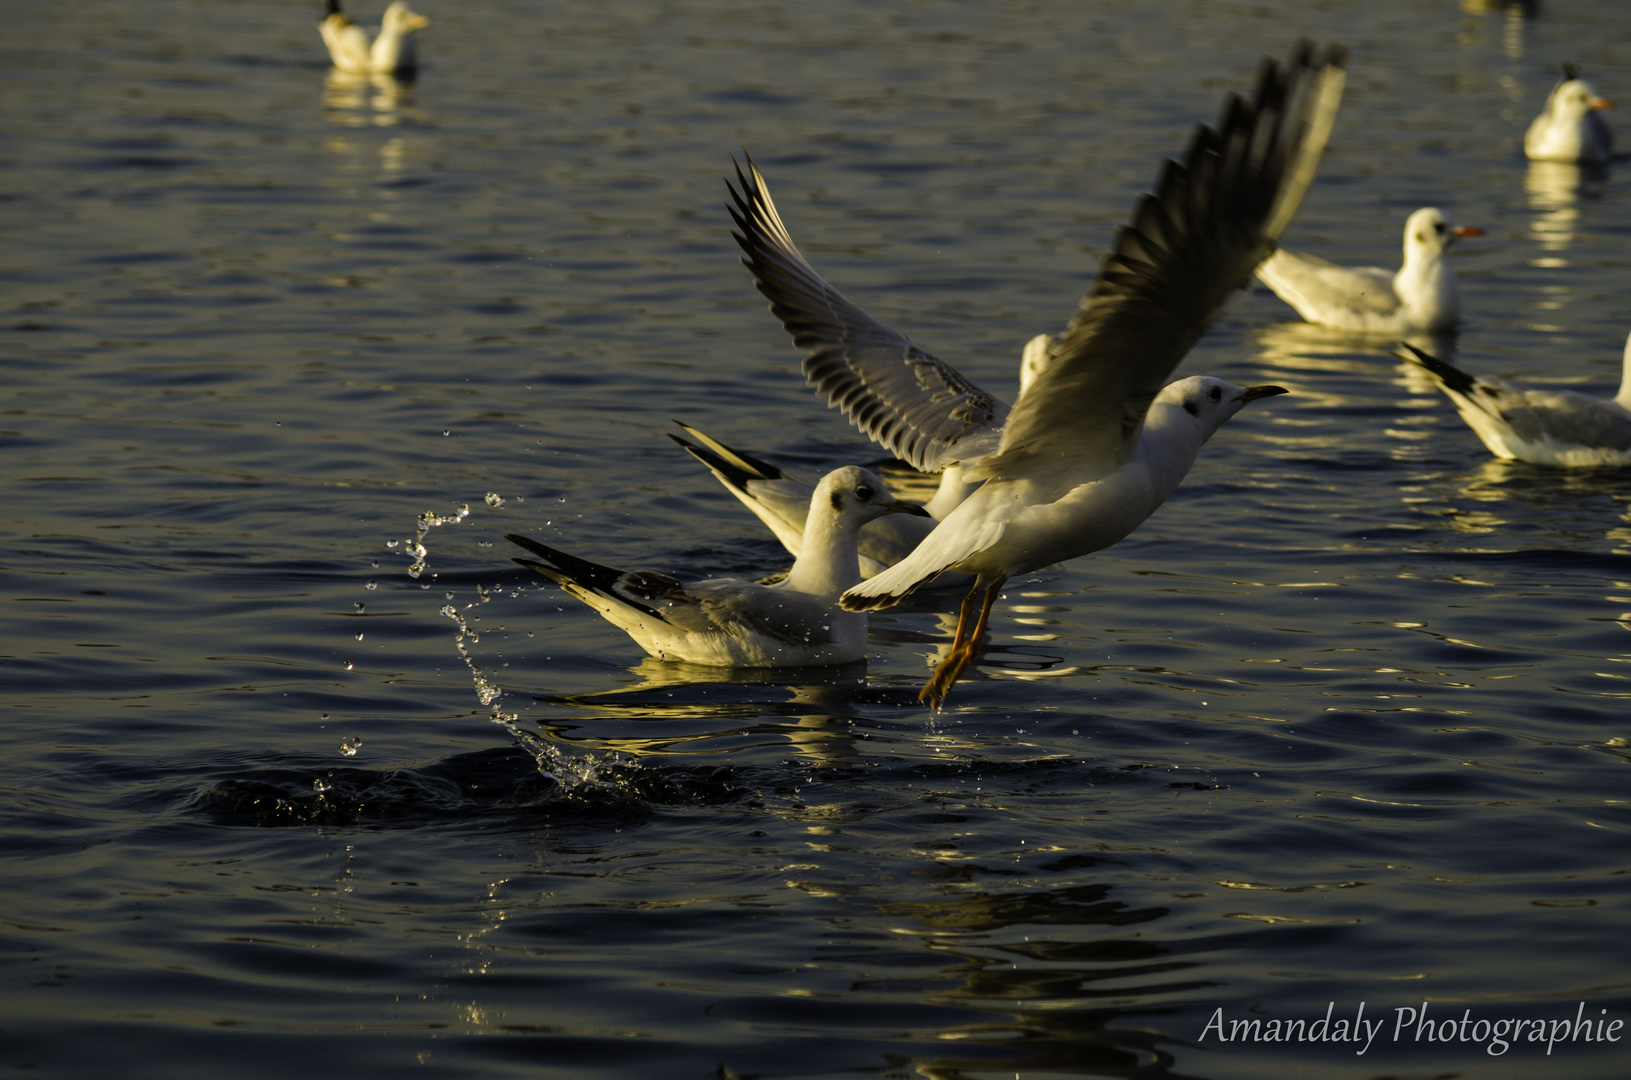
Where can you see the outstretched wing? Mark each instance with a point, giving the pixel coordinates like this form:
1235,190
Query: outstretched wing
919,408
1212,219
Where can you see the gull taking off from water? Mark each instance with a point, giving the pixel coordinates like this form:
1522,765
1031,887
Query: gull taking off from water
1095,444
795,623
1421,298
1544,427
780,499
1571,126
392,52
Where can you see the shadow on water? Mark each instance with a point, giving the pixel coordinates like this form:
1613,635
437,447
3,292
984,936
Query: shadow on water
502,786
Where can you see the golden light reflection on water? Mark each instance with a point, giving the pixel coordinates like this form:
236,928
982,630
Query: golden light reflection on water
352,100
1554,190
813,715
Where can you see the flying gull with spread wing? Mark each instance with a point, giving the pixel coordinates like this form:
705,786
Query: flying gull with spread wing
1097,442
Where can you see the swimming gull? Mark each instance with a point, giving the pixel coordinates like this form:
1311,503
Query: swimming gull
722,621
1545,427
1571,126
392,51
782,501
1420,298
1095,444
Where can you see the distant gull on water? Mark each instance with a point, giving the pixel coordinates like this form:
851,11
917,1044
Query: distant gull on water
794,623
1095,444
1545,427
1421,297
1571,126
392,51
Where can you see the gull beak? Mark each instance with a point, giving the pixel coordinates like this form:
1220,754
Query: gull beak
1254,392
901,506
1466,230
1601,103
419,22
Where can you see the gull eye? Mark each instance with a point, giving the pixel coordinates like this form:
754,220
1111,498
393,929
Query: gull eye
1217,393
864,493
1438,227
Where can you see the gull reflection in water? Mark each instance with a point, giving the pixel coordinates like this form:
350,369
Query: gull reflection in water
704,709
1304,356
1555,189
357,100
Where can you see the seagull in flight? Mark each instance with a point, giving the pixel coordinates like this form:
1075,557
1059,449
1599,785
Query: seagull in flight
392,51
1420,298
1096,443
1544,427
725,622
1571,126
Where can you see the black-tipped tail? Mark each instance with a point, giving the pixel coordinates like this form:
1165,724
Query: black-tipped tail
733,466
1451,376
638,590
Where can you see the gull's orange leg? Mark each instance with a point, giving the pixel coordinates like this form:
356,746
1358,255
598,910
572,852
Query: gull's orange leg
963,649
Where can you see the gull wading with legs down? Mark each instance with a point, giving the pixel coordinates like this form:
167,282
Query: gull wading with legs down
1095,443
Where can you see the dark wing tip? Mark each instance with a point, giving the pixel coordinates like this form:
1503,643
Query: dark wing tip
1571,71
331,8
1451,376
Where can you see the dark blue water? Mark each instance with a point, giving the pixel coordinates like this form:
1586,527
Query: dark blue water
1347,722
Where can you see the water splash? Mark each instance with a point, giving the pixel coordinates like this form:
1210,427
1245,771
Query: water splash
605,772
427,521
350,745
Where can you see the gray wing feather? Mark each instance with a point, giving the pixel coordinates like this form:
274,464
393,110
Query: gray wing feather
1566,417
920,409
1212,219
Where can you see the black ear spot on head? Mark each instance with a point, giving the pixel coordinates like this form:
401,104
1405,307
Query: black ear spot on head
837,502
1217,393
1189,407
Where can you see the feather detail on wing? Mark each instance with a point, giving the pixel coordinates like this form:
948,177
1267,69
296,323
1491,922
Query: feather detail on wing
1210,222
940,551
920,409
1323,292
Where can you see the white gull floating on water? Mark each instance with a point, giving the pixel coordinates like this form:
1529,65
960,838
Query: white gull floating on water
722,621
1421,297
1571,126
392,51
1095,444
1545,427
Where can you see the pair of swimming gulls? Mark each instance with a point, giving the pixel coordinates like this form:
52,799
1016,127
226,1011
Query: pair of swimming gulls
1422,296
391,52
1093,445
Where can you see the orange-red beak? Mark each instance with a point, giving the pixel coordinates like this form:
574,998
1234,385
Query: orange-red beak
1601,103
1467,230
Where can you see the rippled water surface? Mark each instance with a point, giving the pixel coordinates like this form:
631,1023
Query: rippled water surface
1347,721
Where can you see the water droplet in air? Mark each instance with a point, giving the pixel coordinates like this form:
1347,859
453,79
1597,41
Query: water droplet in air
446,433
321,785
374,563
348,667
350,746
392,543
493,499
359,635
323,717
359,605
372,585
